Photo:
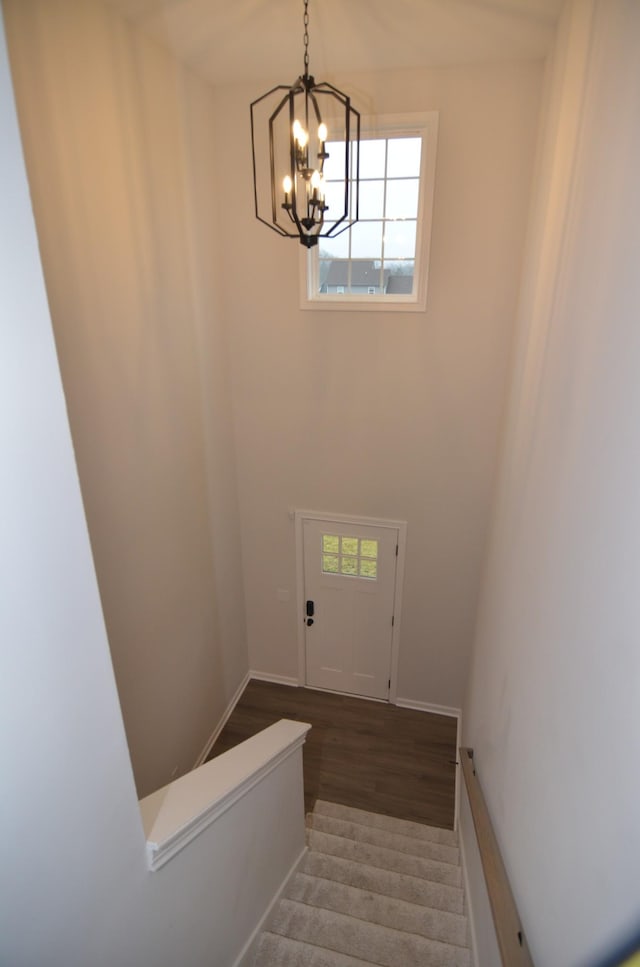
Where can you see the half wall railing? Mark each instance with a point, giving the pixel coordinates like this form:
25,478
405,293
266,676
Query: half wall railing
225,838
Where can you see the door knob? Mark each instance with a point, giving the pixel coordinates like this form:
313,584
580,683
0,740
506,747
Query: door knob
309,622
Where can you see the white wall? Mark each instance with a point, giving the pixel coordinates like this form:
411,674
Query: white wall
120,145
554,690
393,415
75,886
388,415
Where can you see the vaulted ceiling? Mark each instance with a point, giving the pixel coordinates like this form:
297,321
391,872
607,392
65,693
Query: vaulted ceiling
228,41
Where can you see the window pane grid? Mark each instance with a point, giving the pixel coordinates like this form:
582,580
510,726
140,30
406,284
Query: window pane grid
350,556
368,269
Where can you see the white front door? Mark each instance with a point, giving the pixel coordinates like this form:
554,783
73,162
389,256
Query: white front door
349,593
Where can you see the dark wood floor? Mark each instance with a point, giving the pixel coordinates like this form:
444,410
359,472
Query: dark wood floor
360,753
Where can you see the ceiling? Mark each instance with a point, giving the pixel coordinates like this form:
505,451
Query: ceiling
230,41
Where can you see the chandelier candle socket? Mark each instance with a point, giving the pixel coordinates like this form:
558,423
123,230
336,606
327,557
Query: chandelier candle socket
305,141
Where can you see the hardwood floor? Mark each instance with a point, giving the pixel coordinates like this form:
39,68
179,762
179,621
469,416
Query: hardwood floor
359,753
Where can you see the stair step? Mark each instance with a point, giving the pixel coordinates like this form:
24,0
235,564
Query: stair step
401,886
371,942
388,838
277,951
372,906
417,830
384,858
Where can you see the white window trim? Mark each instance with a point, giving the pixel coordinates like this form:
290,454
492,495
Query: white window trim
409,125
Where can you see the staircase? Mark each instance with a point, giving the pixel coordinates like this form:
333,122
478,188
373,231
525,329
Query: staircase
371,890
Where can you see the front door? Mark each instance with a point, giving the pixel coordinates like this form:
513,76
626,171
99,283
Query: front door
349,591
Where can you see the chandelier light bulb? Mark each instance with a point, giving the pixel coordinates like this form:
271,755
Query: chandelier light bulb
287,184
322,132
300,134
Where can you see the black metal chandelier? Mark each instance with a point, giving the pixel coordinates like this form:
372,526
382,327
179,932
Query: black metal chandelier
299,192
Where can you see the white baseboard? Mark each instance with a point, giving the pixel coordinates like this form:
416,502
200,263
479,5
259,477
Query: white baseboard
429,707
223,721
274,679
246,956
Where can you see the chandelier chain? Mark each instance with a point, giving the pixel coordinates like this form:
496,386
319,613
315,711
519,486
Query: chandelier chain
294,148
306,37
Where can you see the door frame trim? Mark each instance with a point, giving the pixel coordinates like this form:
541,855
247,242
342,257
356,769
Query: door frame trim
401,526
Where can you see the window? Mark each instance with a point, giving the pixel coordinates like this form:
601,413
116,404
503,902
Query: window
350,556
381,261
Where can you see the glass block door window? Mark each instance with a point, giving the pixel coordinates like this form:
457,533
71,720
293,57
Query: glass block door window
350,556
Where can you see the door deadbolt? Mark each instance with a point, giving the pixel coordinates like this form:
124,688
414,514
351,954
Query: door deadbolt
311,609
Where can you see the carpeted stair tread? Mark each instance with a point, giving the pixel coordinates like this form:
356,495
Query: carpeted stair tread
275,950
418,830
401,886
384,858
388,838
374,907
372,891
384,946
